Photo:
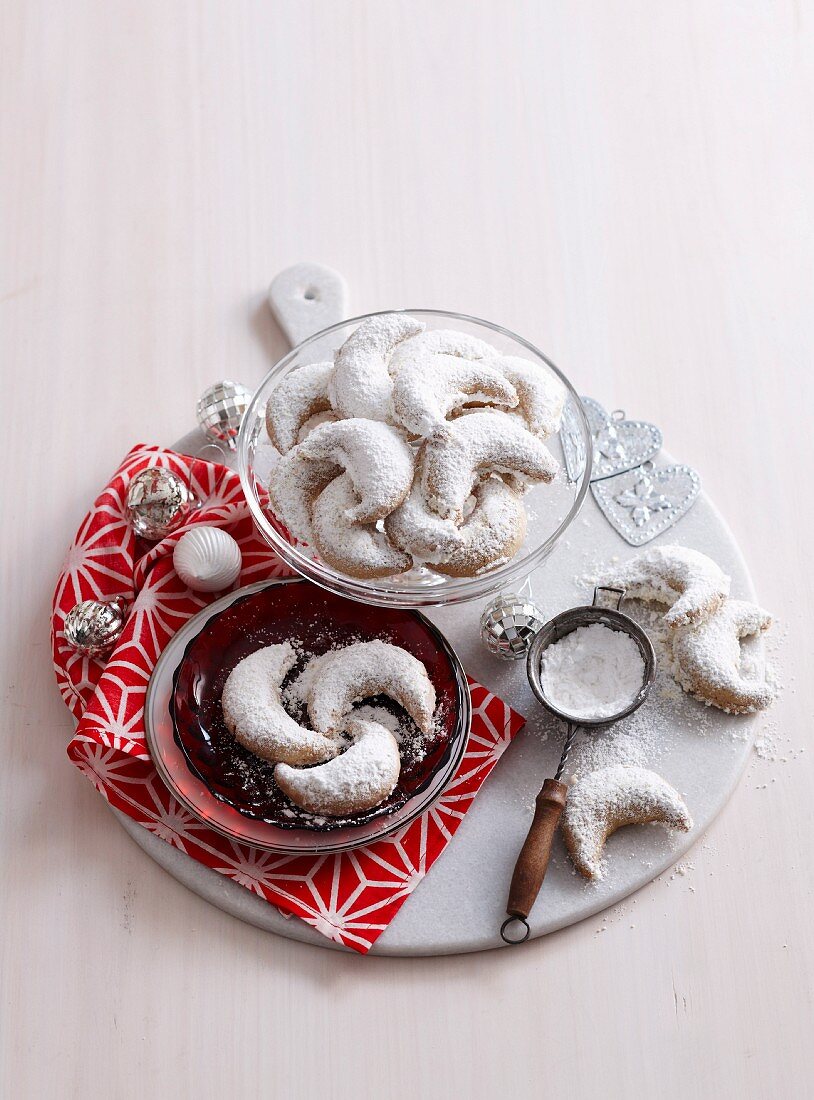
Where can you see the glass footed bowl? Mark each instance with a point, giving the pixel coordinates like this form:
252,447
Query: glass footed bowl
550,508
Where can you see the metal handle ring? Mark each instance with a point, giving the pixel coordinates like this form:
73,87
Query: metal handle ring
619,593
508,939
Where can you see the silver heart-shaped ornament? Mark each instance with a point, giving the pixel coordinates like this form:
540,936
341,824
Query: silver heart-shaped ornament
619,444
640,504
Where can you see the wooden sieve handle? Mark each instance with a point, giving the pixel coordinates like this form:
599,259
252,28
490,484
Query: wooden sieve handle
532,863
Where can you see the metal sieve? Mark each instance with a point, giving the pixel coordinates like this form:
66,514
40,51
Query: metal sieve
532,863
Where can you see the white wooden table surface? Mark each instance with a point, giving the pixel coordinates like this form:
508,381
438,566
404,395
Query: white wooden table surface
629,184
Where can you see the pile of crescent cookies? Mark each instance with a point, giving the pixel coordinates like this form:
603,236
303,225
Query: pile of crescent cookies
344,764
412,447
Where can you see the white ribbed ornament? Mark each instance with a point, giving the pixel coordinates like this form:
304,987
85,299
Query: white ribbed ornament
207,559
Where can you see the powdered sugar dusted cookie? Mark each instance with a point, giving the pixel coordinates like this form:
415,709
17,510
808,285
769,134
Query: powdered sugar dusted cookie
365,669
253,711
458,455
295,483
361,384
439,341
603,801
360,779
491,534
301,395
357,549
541,395
377,458
708,661
433,385
689,583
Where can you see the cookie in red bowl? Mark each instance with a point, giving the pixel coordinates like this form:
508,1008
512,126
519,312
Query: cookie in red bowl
315,622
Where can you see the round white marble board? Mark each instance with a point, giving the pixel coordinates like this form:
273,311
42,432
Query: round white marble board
460,905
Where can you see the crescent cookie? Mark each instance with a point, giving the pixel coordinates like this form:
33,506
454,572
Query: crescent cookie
603,801
541,395
370,668
294,484
460,454
708,662
357,549
689,583
377,458
439,341
254,713
359,779
361,384
490,535
435,385
302,394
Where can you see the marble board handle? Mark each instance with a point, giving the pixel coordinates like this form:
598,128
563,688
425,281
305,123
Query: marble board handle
306,298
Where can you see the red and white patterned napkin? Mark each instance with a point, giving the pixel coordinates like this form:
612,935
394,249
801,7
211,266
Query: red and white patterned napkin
351,897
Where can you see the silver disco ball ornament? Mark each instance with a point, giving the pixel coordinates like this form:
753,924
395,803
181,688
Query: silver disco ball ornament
94,626
220,411
158,502
508,625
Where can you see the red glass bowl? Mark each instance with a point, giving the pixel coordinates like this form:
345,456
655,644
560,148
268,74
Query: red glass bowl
319,620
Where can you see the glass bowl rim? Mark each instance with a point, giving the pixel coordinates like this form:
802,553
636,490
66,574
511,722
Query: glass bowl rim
453,589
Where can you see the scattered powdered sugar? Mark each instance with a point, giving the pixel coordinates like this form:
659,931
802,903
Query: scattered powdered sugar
683,868
636,741
593,672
